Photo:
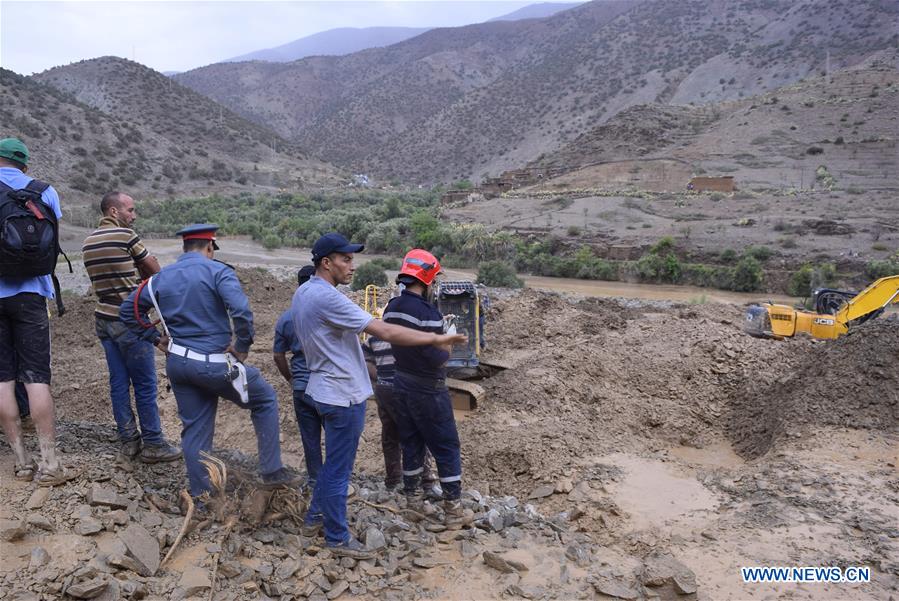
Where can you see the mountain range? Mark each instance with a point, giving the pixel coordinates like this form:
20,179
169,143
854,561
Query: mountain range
346,40
475,100
603,81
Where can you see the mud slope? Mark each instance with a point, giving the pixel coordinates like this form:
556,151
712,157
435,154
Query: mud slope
850,382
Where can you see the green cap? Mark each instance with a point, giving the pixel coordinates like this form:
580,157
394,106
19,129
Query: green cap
14,149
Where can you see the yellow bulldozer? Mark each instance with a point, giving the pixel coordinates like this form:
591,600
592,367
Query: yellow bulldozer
460,303
835,312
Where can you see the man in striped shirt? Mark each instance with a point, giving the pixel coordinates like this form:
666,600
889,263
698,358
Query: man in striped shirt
116,259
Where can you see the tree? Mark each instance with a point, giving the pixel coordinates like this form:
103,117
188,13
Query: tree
370,273
498,274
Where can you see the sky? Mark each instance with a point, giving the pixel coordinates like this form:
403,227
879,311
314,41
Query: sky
178,36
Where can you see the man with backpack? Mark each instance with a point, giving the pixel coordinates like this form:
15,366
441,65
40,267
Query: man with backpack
29,247
116,259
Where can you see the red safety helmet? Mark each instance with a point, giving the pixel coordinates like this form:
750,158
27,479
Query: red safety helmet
421,265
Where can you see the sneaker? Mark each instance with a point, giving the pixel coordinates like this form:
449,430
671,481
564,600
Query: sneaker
352,548
160,453
455,516
130,448
282,477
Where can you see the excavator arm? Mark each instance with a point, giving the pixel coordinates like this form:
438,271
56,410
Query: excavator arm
768,320
873,298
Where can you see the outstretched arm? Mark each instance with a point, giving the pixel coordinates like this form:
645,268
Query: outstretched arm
400,336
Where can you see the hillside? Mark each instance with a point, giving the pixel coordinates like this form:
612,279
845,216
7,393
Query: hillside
346,40
114,123
333,42
467,101
846,122
536,11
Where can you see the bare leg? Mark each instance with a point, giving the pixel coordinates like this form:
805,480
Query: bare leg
10,422
44,417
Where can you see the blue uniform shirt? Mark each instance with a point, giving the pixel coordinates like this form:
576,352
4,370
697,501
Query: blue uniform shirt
196,295
42,284
410,310
286,339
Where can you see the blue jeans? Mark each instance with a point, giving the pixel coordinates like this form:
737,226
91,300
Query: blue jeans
310,425
131,362
198,386
343,427
424,418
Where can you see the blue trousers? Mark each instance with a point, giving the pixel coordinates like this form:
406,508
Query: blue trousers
131,362
198,386
310,425
424,417
343,427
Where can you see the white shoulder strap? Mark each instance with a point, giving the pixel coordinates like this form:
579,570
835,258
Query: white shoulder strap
156,306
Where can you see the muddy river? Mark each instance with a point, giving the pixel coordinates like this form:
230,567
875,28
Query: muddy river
246,251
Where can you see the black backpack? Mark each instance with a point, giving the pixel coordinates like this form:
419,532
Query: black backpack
29,235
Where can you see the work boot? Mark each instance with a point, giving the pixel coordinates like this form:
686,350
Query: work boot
433,492
352,548
455,516
160,453
130,448
415,501
312,530
281,478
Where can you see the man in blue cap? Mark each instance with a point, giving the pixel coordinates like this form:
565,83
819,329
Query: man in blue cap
194,299
25,332
328,323
297,375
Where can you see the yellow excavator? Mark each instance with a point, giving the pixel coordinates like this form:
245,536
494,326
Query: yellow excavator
836,312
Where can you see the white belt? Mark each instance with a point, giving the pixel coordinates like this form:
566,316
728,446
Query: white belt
183,351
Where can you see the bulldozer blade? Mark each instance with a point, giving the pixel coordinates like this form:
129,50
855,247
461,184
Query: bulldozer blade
465,395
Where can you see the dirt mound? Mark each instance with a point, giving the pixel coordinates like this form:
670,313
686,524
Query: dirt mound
850,382
599,376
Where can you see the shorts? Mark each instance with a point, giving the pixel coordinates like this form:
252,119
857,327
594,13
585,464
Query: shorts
24,339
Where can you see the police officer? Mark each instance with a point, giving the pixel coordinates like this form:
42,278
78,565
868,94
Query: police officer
422,406
194,298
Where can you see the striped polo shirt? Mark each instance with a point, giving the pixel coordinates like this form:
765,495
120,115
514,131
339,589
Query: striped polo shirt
110,256
380,353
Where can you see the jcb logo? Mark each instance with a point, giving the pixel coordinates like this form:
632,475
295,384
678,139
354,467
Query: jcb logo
823,321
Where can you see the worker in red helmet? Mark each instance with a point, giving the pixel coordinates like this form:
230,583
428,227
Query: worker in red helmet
422,405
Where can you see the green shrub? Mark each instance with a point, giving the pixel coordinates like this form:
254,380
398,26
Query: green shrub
808,278
653,267
272,241
747,275
574,231
728,255
499,275
660,264
368,274
881,269
759,253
